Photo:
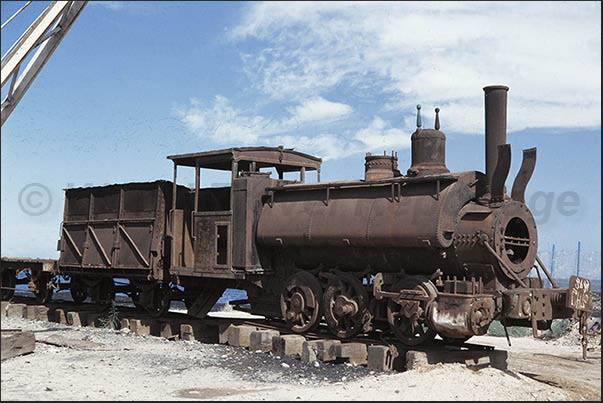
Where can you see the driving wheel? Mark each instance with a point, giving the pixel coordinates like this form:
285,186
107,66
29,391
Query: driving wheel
407,317
301,302
345,304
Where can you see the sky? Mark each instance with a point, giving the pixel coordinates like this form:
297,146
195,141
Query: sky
133,82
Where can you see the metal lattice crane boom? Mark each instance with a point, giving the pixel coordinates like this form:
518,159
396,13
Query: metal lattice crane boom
45,33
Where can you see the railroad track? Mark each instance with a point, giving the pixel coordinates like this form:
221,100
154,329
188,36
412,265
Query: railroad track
126,310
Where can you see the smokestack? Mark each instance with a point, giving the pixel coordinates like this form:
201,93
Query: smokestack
496,125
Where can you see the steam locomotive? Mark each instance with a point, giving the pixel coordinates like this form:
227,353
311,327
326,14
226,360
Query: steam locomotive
430,252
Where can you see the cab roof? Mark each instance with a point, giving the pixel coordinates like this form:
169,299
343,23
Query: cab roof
284,159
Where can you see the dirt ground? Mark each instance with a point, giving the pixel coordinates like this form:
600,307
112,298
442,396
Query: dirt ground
116,365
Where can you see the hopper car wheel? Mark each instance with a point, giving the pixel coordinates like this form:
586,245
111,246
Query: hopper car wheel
411,326
43,292
105,292
7,278
162,298
78,291
345,305
301,302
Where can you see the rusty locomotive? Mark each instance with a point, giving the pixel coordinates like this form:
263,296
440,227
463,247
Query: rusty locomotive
430,252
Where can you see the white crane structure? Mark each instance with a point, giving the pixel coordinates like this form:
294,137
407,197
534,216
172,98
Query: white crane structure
45,33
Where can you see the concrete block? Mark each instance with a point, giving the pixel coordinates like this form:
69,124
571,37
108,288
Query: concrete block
288,345
16,311
124,324
187,332
3,307
30,312
472,359
223,332
139,328
309,351
262,340
381,358
42,313
60,317
165,330
354,353
74,319
238,336
416,360
326,350
36,312
202,332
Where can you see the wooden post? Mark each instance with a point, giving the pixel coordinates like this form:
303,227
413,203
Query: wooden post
197,185
235,169
174,187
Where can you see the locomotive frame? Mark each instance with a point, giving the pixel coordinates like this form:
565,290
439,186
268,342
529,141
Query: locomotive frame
430,252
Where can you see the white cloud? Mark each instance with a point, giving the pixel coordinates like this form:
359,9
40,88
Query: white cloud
111,5
379,136
225,125
338,74
222,123
318,109
549,54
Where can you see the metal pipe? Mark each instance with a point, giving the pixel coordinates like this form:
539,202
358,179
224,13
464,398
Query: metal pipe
174,187
15,14
495,97
197,184
546,272
493,253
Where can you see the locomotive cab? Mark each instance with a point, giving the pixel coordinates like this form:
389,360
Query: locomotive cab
211,237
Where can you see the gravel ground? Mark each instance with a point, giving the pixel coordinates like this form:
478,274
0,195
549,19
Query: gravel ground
118,365
127,367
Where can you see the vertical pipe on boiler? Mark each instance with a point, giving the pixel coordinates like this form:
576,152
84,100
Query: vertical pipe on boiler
496,125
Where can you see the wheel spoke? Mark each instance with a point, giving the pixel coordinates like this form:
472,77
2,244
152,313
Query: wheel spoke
302,290
348,290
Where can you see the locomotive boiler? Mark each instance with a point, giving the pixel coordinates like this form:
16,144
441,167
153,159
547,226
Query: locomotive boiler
418,254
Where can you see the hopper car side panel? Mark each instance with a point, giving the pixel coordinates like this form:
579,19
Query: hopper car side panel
116,228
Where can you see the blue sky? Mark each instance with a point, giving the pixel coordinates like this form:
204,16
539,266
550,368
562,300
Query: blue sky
133,82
